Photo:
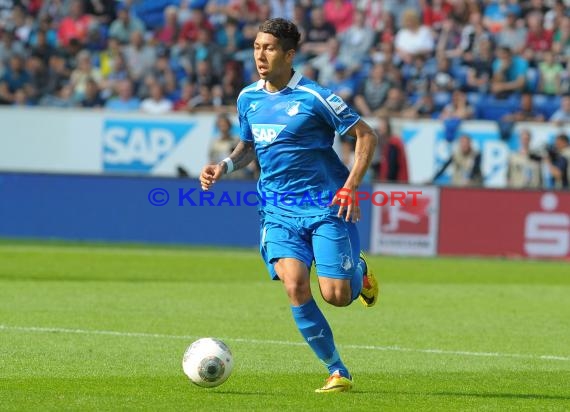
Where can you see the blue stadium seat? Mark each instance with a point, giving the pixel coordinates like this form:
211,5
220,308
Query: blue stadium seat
491,108
532,80
151,12
546,105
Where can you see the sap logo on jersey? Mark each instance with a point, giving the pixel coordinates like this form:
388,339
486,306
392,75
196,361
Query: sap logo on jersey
138,146
266,133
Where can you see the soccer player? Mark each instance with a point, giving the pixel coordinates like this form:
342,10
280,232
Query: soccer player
289,122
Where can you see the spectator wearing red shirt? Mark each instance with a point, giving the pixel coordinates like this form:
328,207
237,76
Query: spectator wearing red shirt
191,28
538,40
75,26
339,13
434,12
244,11
168,34
393,160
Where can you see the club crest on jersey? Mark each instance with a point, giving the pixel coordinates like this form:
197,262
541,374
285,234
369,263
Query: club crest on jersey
293,108
266,133
336,103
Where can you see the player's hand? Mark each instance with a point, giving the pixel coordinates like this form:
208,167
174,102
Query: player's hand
210,174
349,210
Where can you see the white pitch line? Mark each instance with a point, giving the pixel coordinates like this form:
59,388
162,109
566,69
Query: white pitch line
283,342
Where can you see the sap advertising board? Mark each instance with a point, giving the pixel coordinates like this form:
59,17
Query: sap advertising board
94,142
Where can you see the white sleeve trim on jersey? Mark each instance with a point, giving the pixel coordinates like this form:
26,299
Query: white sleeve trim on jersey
318,96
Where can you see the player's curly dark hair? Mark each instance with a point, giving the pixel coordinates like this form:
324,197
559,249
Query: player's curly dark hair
284,30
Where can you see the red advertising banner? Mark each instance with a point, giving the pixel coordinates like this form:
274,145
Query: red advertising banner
504,223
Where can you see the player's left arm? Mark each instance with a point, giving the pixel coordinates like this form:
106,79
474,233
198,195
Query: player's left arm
366,141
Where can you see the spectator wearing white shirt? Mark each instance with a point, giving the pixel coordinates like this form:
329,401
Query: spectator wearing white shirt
413,39
156,103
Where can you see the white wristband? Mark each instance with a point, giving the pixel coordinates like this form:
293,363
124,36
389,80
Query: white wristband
229,164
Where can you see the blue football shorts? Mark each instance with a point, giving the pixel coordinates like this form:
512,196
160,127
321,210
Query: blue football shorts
331,242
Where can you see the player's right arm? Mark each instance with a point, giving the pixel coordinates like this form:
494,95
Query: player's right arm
242,155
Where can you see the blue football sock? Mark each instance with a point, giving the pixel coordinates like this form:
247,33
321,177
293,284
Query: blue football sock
356,280
317,333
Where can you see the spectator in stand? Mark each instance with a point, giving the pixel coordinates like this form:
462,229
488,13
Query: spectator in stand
435,12
62,98
561,39
355,42
417,77
223,145
509,73
393,160
187,93
398,9
125,25
204,49
156,103
92,97
562,116
75,26
512,35
550,73
244,11
442,81
22,24
524,167
413,39
38,72
538,40
140,57
230,38
169,33
58,74
554,16
15,78
394,105
125,101
449,38
339,13
424,107
461,10
526,112
495,15
197,22
372,91
56,10
480,71
459,108
466,165
472,36
558,161
374,13
326,62
108,56
84,71
282,8
102,10
203,102
318,32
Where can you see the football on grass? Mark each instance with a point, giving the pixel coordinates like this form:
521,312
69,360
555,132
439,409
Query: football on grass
208,362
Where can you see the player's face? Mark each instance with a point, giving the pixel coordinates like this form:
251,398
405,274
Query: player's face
271,61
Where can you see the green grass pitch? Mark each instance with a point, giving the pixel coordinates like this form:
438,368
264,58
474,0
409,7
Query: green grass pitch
99,327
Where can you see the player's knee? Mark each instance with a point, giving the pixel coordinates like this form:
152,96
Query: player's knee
337,296
297,290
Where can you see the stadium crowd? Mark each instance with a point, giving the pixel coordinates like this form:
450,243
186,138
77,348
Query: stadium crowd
501,60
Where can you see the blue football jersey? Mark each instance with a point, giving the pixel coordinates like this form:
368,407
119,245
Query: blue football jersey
293,132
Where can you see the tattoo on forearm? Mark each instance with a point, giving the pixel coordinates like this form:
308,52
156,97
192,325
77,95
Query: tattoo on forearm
242,155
